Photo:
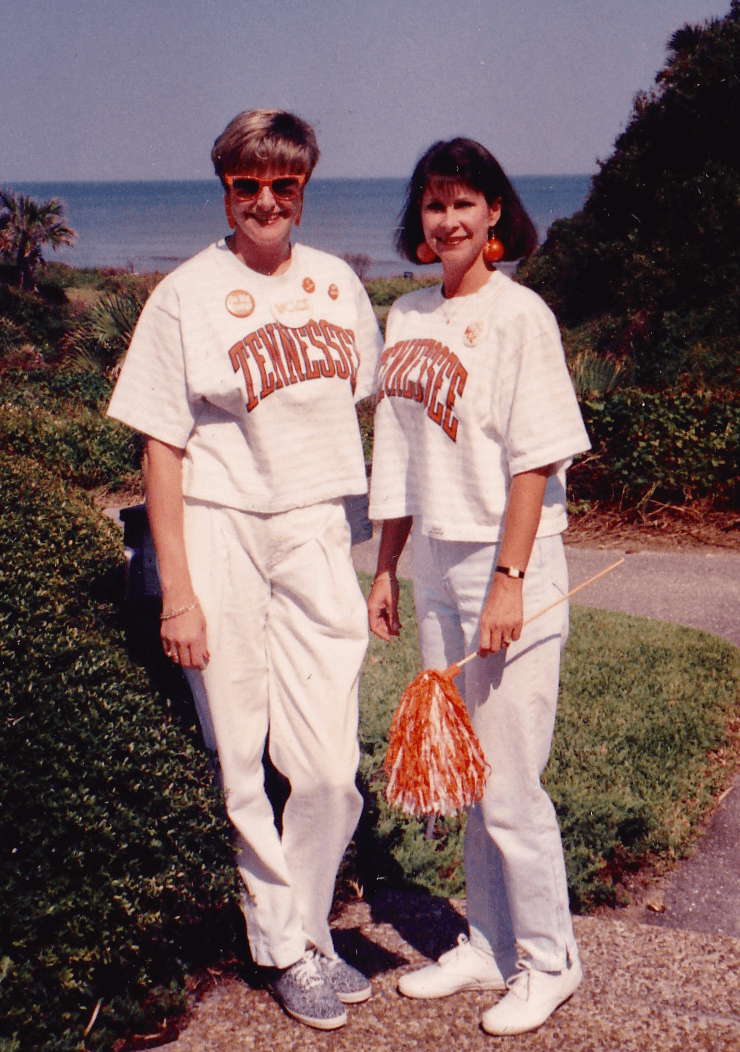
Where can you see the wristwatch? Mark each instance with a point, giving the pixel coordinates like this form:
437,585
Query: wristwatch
511,571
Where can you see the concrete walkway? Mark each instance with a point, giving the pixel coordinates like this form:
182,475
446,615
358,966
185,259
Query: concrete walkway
661,976
698,587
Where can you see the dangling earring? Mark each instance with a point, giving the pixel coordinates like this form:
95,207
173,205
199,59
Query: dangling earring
229,214
297,219
493,250
425,254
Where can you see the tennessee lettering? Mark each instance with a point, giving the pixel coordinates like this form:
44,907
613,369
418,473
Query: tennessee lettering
274,357
427,372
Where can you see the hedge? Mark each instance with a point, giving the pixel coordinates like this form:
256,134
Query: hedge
117,876
671,446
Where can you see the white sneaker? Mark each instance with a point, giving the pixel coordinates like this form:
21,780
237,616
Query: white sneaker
464,968
531,999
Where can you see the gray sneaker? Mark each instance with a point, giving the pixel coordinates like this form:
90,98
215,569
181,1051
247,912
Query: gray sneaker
349,984
303,992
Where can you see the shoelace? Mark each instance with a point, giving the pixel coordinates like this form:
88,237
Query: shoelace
306,973
463,942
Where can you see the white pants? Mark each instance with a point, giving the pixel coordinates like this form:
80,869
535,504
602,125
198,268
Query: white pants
517,895
287,634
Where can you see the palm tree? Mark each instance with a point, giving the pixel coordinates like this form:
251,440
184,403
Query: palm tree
25,227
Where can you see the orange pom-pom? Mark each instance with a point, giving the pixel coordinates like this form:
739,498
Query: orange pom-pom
434,763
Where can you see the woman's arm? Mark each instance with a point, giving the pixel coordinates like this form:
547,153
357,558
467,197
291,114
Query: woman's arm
382,603
183,636
502,616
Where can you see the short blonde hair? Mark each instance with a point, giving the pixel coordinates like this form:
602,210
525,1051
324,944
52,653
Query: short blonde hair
258,139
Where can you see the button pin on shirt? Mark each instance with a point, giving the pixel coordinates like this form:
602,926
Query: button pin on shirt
240,303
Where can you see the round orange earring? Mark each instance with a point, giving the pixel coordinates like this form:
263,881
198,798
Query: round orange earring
229,214
425,254
493,250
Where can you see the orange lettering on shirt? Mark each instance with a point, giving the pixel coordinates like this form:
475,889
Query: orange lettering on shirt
342,342
290,353
435,411
313,371
457,380
239,359
252,341
270,343
312,330
395,365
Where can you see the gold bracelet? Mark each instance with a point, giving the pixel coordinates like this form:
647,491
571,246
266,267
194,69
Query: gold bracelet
182,610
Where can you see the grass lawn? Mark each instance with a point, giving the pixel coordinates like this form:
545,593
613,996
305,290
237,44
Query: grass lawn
645,739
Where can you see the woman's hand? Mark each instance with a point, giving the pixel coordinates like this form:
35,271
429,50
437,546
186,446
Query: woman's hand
184,638
382,606
503,612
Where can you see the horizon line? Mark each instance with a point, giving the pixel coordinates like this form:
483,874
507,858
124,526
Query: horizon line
316,178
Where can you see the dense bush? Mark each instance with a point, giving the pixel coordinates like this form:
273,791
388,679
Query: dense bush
673,446
36,318
56,417
653,259
117,873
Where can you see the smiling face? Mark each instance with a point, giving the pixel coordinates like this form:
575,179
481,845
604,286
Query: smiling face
456,220
263,221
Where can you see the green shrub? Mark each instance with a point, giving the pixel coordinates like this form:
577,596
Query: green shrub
39,320
672,446
117,871
56,417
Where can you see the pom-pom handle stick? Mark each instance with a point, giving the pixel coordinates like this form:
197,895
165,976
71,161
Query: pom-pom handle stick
455,669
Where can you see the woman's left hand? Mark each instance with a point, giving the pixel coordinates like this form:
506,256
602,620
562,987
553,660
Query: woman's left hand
501,619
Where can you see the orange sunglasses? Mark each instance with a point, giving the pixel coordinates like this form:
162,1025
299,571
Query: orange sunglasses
284,187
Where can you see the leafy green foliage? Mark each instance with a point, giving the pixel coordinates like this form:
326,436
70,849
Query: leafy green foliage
672,446
629,772
117,872
654,257
56,418
102,335
37,319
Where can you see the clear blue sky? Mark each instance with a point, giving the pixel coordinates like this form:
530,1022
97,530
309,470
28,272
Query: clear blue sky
139,89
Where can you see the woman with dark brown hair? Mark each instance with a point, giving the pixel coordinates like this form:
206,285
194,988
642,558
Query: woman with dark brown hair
475,425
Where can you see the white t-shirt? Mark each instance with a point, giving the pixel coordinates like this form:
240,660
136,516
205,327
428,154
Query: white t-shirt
255,377
472,391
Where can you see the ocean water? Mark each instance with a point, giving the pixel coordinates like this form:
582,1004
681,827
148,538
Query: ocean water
148,226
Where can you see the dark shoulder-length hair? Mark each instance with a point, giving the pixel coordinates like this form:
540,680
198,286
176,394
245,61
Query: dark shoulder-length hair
466,161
